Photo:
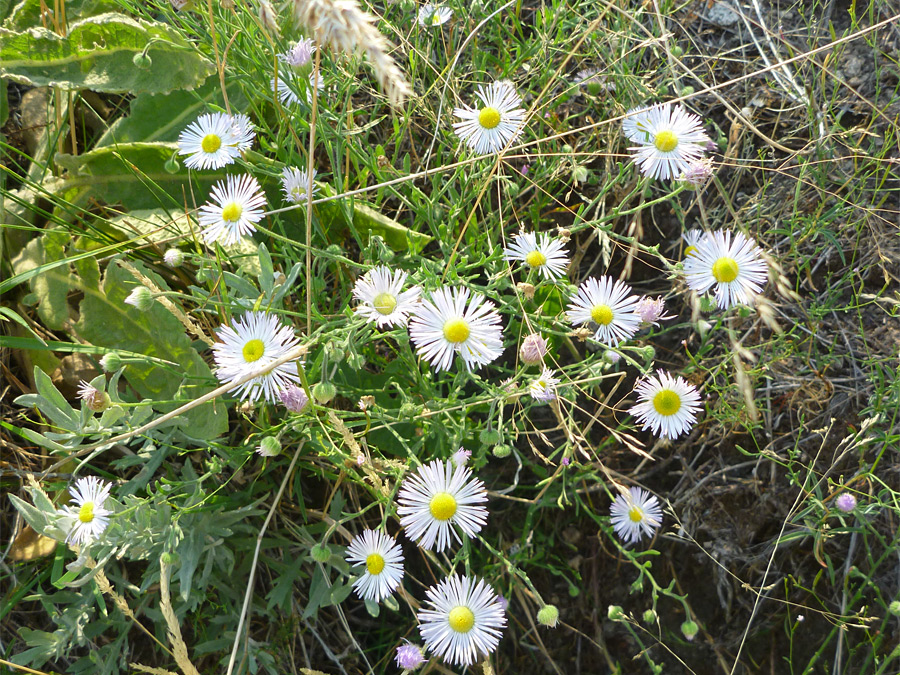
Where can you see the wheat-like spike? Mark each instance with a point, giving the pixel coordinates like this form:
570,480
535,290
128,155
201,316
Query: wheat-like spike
345,27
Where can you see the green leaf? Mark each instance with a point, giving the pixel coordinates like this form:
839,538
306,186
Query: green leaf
97,54
52,286
134,175
145,124
50,402
28,13
107,321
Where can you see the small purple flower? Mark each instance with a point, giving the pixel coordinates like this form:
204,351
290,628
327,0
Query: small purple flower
565,461
533,349
460,457
503,602
523,169
409,656
300,54
294,398
846,502
651,310
94,399
698,172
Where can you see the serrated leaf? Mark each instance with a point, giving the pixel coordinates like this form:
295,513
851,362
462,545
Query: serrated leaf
28,13
144,123
107,321
97,53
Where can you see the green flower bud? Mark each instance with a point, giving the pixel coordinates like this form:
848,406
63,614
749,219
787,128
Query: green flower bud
323,392
489,437
142,60
677,51
548,616
408,410
321,553
172,165
502,451
687,91
111,362
894,608
168,558
615,613
650,616
269,447
689,630
707,304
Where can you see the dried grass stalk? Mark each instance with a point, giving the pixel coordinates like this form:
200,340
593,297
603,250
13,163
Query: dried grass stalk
344,26
179,648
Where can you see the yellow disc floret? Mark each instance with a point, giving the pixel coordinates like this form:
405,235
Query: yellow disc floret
210,143
635,515
384,303
461,619
86,512
443,506
665,141
456,331
488,118
602,314
535,258
725,270
232,212
253,350
374,563
667,402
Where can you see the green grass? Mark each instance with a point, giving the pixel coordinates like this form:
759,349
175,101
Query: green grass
801,392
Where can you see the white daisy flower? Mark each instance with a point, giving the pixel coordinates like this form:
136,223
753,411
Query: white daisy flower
634,126
609,304
464,618
294,182
490,128
236,206
677,140
287,86
384,564
254,341
300,54
540,252
635,514
692,238
431,15
382,299
85,516
666,404
444,327
244,131
437,497
543,388
735,268
211,142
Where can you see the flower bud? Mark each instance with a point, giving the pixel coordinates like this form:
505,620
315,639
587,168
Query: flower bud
894,608
461,457
650,616
548,616
689,630
489,437
533,349
140,297
269,447
324,392
94,399
172,165
111,362
142,60
615,613
321,553
173,257
526,289
294,398
846,502
501,451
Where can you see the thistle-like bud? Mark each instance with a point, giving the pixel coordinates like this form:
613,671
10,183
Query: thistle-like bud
94,399
269,447
689,629
501,451
140,297
173,257
111,362
489,437
142,60
324,392
533,349
294,398
321,553
548,616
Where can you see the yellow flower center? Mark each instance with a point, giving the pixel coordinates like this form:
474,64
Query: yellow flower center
635,515
489,118
86,512
725,269
210,143
667,402
461,619
665,141
232,212
384,303
253,350
374,563
435,19
689,251
443,506
535,258
456,331
602,314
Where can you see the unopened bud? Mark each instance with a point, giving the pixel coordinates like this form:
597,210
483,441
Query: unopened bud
489,437
501,451
173,257
321,553
689,629
533,349
140,297
111,362
615,613
323,392
142,60
526,289
650,616
548,616
269,447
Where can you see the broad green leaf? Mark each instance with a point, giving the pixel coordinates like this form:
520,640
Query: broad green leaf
398,237
52,286
27,13
50,402
97,54
106,321
145,124
134,175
